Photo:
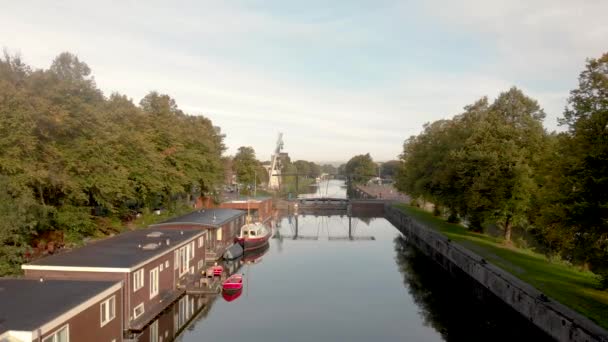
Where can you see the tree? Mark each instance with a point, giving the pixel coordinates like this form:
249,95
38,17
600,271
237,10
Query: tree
360,168
329,169
498,160
480,164
245,165
303,167
389,169
585,179
69,155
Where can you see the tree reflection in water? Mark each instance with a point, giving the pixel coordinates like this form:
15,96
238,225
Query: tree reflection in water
458,309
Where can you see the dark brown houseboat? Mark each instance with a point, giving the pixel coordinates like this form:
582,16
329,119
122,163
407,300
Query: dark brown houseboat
151,263
222,226
44,310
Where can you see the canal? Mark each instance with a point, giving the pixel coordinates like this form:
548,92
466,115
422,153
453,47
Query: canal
315,283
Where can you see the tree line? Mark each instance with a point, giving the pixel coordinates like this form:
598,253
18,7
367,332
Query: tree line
73,159
495,164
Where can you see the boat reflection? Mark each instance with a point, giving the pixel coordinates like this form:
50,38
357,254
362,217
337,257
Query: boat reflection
255,256
229,296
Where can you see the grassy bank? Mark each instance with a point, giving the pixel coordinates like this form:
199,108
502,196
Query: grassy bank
571,286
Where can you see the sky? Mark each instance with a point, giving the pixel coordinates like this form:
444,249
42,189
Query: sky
337,78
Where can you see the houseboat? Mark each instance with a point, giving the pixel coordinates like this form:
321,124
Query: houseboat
222,225
49,310
151,263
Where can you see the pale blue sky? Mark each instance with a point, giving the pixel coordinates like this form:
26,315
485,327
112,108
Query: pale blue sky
338,78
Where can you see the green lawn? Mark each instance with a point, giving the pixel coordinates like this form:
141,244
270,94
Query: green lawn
569,285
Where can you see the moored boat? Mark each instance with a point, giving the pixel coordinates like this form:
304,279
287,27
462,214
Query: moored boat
233,283
229,296
253,236
217,270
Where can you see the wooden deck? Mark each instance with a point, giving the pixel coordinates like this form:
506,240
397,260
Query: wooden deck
202,285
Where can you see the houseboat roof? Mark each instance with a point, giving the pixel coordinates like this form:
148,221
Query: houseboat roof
31,304
245,199
121,253
212,217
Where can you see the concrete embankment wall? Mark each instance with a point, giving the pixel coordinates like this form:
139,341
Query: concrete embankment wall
555,319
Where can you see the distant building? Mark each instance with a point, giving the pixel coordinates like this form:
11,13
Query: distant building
44,310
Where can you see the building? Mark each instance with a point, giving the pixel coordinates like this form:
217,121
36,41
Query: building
260,208
151,263
221,224
45,310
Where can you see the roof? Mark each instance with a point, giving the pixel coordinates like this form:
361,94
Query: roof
28,304
212,217
123,251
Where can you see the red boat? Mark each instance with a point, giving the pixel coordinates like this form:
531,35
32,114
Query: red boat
229,296
233,283
253,236
217,270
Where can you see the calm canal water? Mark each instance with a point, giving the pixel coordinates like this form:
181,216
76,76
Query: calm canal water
323,286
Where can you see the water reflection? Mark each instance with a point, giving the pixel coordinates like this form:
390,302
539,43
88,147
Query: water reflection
173,320
325,289
454,308
191,309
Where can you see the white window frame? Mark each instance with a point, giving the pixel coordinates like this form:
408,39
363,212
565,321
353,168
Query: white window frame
184,260
190,250
154,282
109,312
143,309
154,331
161,267
167,264
201,241
53,337
138,279
219,234
176,261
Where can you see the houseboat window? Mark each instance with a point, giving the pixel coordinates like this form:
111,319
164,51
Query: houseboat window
183,260
108,310
201,241
161,267
219,234
245,233
252,233
192,250
61,335
167,264
153,282
176,261
138,279
138,310
154,331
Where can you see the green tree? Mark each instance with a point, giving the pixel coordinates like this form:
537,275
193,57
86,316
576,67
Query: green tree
360,168
480,164
586,175
245,165
70,155
389,168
